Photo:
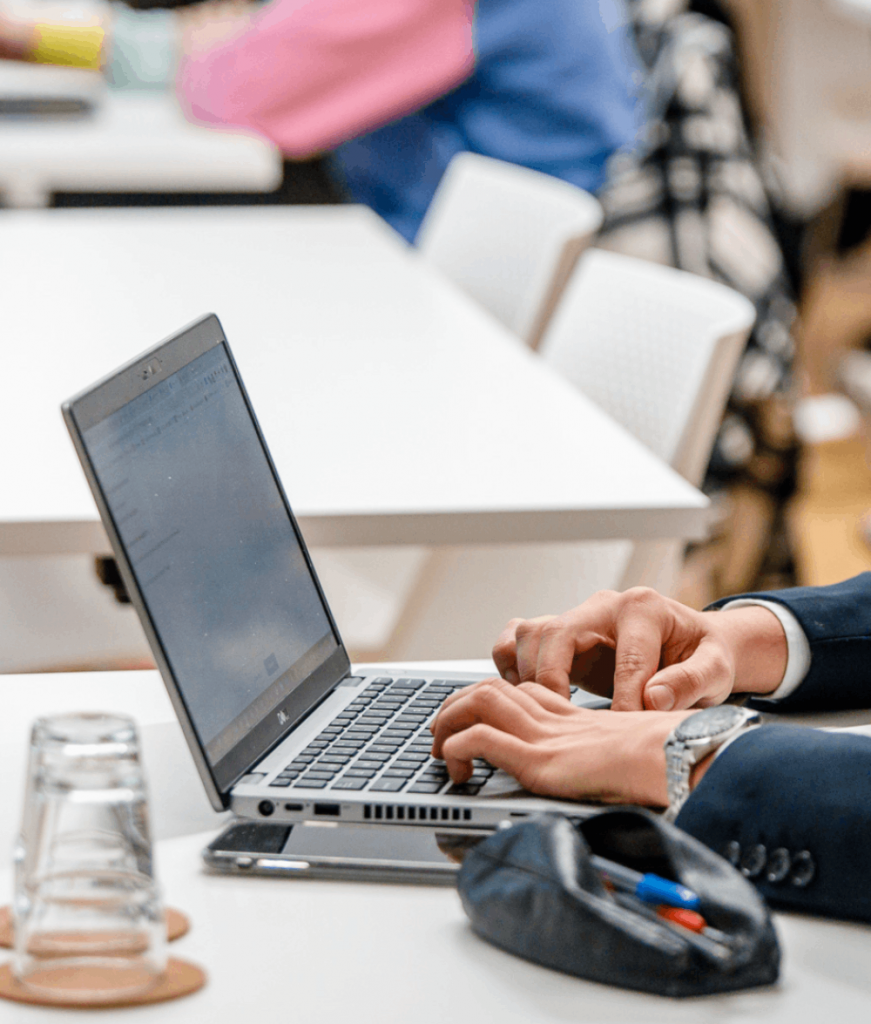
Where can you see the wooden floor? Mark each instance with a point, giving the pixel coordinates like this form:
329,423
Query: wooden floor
827,517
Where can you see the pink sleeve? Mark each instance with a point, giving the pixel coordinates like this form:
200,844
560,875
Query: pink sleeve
309,74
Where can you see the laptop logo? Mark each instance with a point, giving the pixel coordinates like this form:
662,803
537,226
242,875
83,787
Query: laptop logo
150,369
282,718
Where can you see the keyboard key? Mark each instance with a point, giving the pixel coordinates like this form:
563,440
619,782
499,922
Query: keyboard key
360,773
350,783
368,763
302,759
346,746
321,773
397,773
412,755
397,734
387,785
337,759
426,787
310,784
463,789
382,679
402,762
280,783
316,745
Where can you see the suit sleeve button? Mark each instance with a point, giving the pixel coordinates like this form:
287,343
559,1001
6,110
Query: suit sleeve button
779,864
732,853
754,860
803,869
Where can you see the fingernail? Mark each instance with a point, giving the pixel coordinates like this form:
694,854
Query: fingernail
660,697
512,677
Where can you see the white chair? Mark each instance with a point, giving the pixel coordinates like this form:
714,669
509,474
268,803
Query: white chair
656,348
509,237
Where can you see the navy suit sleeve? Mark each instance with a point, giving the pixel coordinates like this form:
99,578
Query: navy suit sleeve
837,622
790,806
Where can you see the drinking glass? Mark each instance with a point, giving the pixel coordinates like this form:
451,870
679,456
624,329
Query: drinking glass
89,925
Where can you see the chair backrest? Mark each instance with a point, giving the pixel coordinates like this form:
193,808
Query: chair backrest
508,236
655,347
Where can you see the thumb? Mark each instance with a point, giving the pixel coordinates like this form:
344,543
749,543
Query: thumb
685,684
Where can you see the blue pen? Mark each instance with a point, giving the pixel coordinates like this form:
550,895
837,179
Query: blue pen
648,888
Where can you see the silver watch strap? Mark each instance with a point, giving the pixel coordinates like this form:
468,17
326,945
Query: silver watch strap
678,764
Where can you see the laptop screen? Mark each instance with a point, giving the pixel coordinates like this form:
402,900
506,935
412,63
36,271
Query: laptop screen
216,557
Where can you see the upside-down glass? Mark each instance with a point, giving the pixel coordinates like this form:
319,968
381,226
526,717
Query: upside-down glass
89,925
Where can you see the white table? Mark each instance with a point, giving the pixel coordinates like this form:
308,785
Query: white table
334,953
397,411
135,142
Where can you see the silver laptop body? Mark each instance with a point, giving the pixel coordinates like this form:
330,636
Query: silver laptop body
280,727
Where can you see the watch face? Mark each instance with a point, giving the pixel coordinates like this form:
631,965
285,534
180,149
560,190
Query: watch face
710,722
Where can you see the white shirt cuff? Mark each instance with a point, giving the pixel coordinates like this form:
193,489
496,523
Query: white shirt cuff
798,658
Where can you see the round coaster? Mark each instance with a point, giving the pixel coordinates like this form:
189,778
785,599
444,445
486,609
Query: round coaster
182,978
177,924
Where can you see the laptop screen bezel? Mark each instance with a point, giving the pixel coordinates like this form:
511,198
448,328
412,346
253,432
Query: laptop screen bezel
106,397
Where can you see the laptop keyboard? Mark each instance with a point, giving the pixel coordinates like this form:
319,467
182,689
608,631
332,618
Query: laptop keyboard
381,743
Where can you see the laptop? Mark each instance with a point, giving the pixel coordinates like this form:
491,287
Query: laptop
281,729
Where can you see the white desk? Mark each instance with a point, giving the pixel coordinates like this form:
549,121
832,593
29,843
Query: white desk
397,411
135,142
336,953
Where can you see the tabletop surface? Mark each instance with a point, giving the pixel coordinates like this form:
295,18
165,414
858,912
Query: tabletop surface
133,142
336,952
396,409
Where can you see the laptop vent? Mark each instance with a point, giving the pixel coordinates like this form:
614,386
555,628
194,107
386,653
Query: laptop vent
400,812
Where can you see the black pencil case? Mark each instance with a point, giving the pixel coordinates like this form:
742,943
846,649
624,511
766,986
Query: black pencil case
531,890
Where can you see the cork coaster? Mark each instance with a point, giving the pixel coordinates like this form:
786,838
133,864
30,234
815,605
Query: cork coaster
177,924
181,978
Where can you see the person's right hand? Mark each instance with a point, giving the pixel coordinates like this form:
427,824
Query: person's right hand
646,651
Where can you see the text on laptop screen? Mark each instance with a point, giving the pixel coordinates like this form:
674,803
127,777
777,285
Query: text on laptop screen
212,547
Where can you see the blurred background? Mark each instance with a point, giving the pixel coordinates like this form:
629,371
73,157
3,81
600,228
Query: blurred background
728,139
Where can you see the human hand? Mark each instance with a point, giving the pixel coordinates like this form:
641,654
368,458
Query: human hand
16,38
204,26
554,748
646,651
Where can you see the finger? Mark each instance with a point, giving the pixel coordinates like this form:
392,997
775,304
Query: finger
462,694
640,633
529,633
704,676
552,702
497,704
501,749
561,639
505,652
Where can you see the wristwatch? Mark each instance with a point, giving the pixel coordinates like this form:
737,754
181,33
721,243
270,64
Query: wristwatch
695,738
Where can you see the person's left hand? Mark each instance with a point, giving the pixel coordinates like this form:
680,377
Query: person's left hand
554,748
16,38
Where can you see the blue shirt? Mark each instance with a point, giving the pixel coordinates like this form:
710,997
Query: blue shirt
554,88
